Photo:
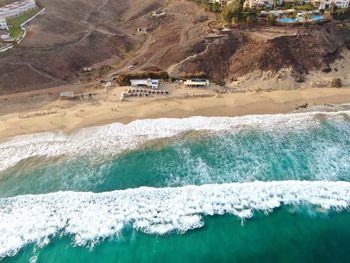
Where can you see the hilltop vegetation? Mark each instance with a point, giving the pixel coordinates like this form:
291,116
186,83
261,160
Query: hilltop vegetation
14,24
124,79
209,6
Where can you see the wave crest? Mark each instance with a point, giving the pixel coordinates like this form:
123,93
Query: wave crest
115,138
90,217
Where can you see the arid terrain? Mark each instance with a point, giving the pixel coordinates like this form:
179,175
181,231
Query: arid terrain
75,34
113,36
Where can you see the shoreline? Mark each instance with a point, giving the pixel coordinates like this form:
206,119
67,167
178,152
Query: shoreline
67,116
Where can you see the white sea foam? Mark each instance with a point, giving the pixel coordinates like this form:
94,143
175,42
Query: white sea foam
90,217
115,138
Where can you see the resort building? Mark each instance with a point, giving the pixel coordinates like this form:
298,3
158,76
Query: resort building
258,3
3,24
150,83
203,83
338,3
221,2
17,8
324,4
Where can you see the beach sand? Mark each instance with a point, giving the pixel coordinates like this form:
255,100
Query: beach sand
24,114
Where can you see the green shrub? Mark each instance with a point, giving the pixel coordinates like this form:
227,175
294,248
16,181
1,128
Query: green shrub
336,83
124,79
209,6
232,12
340,13
197,75
271,20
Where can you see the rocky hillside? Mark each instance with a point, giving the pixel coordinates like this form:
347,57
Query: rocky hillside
241,52
70,36
173,36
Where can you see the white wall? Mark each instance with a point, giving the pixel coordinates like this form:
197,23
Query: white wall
17,8
3,24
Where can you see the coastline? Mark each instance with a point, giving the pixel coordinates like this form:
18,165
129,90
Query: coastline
48,181
67,116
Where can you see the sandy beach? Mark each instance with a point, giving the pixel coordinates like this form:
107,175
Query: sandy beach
42,111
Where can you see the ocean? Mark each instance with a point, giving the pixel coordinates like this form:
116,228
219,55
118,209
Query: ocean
264,188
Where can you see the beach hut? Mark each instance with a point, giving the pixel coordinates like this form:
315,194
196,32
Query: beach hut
202,83
150,83
67,95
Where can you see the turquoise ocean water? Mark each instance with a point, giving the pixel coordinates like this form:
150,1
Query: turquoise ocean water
272,188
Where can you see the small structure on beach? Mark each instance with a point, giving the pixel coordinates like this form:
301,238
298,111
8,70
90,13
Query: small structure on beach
150,83
122,96
142,93
67,95
199,83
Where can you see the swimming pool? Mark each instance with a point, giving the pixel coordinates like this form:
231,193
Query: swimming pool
317,17
288,20
299,20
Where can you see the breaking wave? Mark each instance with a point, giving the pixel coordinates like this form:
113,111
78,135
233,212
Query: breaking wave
92,217
115,138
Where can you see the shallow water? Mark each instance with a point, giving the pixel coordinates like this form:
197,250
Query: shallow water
286,177
317,153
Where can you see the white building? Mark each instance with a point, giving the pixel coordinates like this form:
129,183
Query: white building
324,4
17,8
258,3
197,83
342,3
150,83
3,24
338,3
221,2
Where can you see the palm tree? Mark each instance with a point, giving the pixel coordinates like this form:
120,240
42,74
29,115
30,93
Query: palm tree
271,20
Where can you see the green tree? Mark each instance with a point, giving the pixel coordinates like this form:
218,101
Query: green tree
39,4
293,15
271,20
275,3
250,19
333,7
232,12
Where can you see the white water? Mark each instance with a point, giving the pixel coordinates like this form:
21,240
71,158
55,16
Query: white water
90,217
115,138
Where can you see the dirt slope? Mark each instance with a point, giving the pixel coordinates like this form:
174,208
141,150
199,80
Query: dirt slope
239,53
74,34
70,35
